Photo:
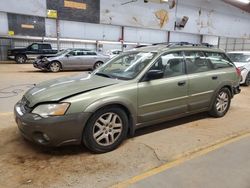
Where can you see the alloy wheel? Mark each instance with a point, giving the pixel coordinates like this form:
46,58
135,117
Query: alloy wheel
20,59
107,129
222,102
54,67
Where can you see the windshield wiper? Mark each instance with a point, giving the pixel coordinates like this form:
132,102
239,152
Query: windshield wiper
103,74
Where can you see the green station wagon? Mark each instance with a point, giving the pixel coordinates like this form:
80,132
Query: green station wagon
138,88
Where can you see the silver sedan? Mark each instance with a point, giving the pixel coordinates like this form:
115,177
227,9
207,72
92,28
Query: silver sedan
76,59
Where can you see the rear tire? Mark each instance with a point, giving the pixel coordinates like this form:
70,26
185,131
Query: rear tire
55,66
247,81
97,64
221,103
105,130
20,59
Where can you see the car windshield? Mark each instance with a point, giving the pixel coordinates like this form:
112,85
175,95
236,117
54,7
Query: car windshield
126,66
239,57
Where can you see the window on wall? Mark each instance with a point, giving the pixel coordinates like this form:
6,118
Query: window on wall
197,62
172,64
218,60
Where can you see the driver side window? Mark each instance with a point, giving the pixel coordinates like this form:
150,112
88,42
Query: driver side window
171,64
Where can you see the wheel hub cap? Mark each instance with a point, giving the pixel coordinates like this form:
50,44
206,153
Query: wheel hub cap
107,129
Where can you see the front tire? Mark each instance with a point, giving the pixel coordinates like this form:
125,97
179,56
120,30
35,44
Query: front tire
106,130
97,64
55,66
20,59
221,103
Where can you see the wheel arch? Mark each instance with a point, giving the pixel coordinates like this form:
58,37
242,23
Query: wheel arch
57,62
128,109
224,85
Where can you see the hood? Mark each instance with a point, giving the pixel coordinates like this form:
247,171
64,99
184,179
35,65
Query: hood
48,56
239,64
57,89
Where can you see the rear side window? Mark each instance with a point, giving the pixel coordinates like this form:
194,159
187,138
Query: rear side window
91,53
44,46
218,60
197,62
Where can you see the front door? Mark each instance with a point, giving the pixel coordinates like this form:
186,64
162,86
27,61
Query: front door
165,97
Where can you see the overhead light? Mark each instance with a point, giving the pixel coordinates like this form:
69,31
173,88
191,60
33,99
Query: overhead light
244,1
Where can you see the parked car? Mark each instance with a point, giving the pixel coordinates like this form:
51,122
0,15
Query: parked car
137,88
113,53
21,55
75,59
242,60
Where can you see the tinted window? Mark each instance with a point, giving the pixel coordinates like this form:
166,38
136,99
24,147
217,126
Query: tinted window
34,47
44,46
171,64
196,62
91,53
218,60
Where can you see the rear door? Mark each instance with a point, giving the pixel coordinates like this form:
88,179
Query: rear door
162,98
203,80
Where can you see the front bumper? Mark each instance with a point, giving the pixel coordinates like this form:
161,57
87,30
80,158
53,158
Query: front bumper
11,57
244,73
40,65
51,131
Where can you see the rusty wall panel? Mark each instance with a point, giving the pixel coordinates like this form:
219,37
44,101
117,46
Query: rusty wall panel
137,14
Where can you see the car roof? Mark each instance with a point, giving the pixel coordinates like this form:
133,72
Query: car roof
164,48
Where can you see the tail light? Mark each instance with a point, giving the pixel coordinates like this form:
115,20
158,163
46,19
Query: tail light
238,71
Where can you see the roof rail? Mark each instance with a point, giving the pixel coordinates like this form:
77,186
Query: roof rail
174,44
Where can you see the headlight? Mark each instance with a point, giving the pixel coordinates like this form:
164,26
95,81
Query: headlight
46,110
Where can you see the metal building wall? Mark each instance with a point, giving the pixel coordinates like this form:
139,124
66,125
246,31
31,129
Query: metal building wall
26,7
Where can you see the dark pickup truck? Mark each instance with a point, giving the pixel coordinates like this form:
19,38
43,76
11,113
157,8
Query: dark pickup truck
21,55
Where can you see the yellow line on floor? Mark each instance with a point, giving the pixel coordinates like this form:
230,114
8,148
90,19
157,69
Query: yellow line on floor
5,113
198,152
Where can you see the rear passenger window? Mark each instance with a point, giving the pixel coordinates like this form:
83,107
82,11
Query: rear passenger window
218,60
196,62
171,64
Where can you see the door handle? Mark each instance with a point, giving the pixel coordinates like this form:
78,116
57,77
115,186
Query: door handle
181,83
214,77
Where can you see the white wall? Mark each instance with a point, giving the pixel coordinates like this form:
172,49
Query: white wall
144,35
28,7
3,23
69,29
184,37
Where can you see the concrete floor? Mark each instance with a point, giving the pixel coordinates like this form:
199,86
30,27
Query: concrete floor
26,165
227,167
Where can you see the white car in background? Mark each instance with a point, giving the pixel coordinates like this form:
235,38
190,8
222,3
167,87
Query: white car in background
241,60
113,53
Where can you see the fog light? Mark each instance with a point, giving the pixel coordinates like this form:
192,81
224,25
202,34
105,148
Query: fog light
46,137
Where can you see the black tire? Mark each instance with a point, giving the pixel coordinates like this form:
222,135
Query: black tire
55,66
20,59
97,64
221,103
102,130
247,81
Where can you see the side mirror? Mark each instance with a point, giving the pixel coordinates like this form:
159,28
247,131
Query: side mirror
154,74
67,55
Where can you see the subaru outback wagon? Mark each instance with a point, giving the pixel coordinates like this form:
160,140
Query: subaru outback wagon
138,88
